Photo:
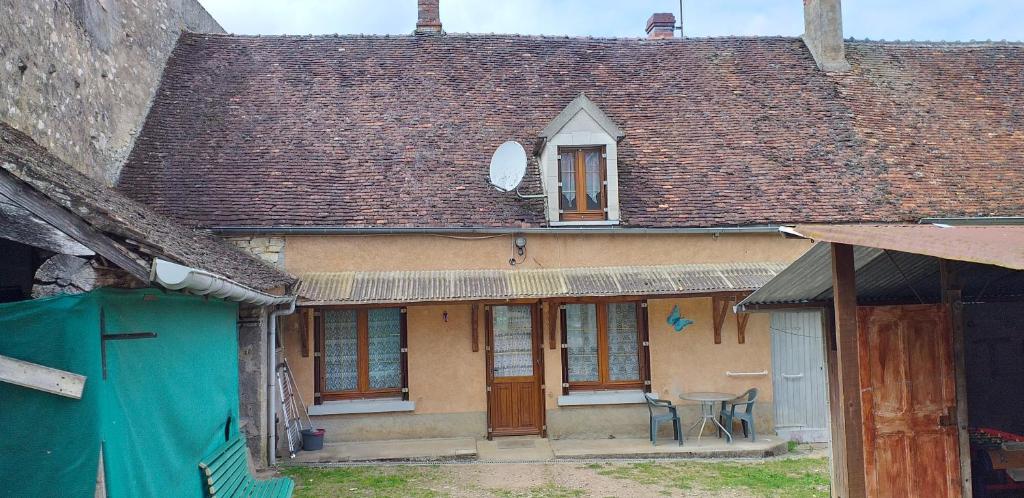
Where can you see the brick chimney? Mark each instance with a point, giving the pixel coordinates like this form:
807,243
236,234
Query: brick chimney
429,17
661,26
823,34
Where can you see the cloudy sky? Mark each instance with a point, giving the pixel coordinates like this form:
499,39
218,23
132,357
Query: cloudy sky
875,19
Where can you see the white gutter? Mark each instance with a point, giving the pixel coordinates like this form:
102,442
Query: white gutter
178,277
271,377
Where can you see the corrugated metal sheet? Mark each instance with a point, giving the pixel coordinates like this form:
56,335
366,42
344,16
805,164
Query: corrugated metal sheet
468,285
798,376
990,245
887,273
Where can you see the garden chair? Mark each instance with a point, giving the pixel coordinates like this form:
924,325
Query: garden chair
746,414
669,415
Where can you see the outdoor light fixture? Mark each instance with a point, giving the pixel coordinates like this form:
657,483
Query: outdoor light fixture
520,245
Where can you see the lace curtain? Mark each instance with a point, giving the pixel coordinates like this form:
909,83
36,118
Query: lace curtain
568,179
385,356
581,332
593,175
513,341
341,351
623,358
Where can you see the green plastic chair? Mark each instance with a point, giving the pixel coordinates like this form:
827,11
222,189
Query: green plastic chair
746,416
656,420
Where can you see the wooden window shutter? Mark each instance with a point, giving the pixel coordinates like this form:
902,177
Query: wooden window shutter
645,341
404,345
317,356
565,351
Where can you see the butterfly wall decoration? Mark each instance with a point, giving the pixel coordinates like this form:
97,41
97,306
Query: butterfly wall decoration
678,321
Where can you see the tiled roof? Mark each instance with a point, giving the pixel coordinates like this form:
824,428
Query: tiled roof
141,233
464,285
365,131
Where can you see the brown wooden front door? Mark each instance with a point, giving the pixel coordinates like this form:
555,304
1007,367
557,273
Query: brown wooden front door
908,397
514,371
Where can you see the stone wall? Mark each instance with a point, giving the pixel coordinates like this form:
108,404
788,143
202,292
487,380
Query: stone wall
252,380
269,249
78,75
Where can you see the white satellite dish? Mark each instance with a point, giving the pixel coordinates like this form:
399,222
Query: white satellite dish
508,166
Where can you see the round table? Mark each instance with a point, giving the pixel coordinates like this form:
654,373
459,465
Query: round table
708,402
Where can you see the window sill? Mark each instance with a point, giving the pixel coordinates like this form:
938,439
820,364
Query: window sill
583,223
584,398
386,405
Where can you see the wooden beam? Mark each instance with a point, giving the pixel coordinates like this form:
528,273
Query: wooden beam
844,289
475,326
741,327
71,224
719,308
952,288
306,330
40,378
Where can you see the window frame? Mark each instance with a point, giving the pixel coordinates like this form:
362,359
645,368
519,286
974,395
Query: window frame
581,213
604,383
363,390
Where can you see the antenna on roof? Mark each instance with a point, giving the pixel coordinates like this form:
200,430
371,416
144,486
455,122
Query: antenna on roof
680,27
508,167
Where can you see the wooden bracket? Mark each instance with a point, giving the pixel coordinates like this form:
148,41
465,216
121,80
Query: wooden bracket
719,308
741,327
475,326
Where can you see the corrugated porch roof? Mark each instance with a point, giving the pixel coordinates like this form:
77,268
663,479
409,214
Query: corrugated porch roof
899,262
391,287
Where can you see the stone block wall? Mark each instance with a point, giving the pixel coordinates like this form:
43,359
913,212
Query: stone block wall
78,76
269,249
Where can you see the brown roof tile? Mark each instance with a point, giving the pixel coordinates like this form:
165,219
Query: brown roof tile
142,233
366,131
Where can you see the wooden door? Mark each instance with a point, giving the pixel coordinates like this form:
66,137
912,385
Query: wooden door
908,397
799,385
514,371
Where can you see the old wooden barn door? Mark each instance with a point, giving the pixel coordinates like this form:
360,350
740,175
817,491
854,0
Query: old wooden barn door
515,404
908,401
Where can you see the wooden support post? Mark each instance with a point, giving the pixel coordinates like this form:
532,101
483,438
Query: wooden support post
555,307
475,326
41,378
848,453
741,327
306,330
952,298
719,308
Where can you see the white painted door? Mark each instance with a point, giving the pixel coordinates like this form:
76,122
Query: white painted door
799,378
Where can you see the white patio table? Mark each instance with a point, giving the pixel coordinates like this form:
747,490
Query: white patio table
708,402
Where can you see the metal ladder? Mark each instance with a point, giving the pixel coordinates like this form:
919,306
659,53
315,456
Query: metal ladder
292,407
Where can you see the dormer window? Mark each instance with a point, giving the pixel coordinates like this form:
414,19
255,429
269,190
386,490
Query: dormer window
581,183
579,169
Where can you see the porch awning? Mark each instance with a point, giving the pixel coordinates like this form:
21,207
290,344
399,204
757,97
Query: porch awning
395,287
898,262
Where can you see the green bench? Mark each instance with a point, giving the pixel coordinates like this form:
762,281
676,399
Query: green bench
226,473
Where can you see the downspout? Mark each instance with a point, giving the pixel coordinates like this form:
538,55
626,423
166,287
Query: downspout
271,375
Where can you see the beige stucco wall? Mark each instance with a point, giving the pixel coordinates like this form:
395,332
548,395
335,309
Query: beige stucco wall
447,378
437,252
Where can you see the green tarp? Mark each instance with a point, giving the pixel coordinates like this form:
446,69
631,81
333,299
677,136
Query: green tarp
162,408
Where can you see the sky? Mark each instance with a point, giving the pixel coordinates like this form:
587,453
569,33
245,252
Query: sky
932,20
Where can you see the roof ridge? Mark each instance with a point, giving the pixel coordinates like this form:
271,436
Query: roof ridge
374,36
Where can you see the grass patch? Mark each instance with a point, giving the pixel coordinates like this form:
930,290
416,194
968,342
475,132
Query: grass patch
791,446
549,490
384,482
795,477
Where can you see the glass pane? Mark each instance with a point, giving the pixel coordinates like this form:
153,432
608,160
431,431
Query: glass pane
623,357
592,160
385,336
513,341
568,178
341,345
581,331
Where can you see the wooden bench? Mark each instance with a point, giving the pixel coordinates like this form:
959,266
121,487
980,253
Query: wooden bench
226,473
